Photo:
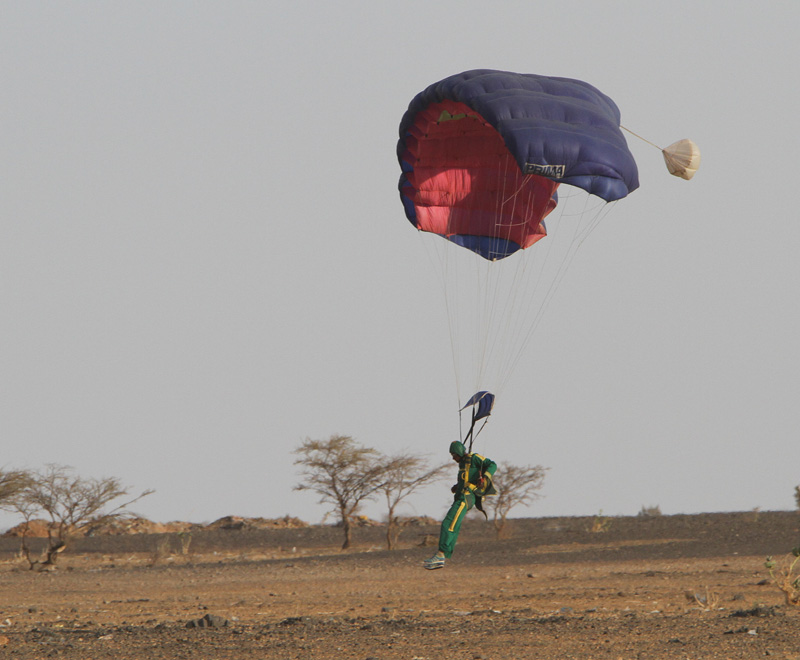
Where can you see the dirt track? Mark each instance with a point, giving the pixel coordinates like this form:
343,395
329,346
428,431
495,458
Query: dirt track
662,587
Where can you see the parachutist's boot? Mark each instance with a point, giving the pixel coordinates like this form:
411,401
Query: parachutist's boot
433,562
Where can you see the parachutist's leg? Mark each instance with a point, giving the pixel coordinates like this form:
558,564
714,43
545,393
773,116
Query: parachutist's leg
451,525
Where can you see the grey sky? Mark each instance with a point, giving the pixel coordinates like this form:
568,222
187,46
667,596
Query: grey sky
203,258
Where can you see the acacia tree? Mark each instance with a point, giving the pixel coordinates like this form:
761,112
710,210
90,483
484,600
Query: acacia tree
11,483
343,473
402,475
71,502
515,485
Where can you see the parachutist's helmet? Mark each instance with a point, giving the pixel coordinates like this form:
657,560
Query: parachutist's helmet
457,448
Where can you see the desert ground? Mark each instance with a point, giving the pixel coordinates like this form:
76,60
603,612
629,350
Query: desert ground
655,587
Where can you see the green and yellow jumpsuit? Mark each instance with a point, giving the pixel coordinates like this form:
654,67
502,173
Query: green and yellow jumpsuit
467,494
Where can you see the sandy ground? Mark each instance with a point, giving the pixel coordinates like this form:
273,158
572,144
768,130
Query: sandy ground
674,587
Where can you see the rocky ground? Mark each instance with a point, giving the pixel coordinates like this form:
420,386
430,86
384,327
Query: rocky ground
656,587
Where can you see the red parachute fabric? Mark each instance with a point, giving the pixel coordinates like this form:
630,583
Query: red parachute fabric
467,183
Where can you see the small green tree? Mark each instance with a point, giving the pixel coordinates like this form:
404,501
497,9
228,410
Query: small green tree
515,485
797,496
403,474
343,473
71,502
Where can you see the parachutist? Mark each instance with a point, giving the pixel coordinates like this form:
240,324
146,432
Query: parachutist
474,483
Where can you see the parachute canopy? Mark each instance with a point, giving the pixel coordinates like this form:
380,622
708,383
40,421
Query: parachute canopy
483,152
682,158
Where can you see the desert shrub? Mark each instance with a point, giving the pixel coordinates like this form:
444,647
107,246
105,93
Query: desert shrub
785,574
600,523
161,549
649,511
186,541
706,600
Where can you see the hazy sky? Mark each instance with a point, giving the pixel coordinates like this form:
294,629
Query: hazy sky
204,260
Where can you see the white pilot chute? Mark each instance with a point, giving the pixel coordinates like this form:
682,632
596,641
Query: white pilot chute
682,158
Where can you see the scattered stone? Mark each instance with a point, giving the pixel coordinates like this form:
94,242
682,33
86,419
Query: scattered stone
209,621
295,620
758,610
4,640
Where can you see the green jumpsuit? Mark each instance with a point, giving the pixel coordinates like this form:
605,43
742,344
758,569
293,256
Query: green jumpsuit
467,495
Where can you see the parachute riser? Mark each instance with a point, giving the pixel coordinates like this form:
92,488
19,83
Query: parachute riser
482,404
472,434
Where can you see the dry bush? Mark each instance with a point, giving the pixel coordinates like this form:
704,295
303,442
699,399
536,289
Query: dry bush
186,541
706,600
600,524
649,511
12,482
71,502
404,474
785,574
516,485
343,473
161,550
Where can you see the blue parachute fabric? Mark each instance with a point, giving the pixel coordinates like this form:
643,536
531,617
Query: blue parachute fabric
484,401
562,129
487,246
